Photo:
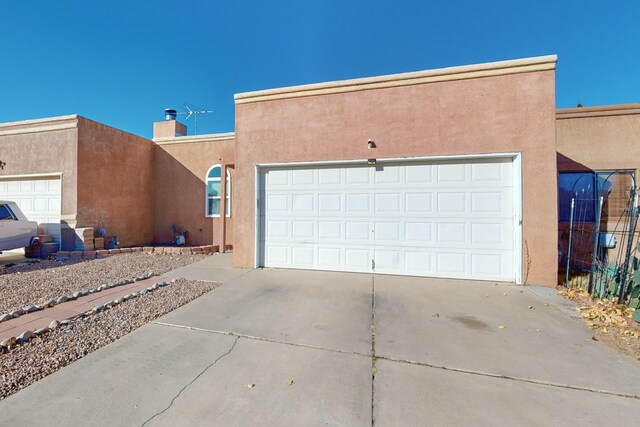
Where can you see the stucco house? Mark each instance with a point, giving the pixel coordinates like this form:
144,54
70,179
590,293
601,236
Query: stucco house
445,173
69,171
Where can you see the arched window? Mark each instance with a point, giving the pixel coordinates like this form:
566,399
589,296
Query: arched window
213,182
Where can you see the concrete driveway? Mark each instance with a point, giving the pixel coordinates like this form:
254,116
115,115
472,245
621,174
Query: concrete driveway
15,256
360,349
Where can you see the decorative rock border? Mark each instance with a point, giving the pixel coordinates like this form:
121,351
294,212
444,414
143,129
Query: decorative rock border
64,298
102,253
9,343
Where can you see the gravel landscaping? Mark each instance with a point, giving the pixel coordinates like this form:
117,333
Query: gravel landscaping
33,283
45,354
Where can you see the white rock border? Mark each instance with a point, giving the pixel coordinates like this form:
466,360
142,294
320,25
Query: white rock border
9,343
64,298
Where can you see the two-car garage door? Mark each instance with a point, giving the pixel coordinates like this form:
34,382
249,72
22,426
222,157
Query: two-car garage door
438,218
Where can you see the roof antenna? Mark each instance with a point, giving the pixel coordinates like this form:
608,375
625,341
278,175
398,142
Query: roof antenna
194,111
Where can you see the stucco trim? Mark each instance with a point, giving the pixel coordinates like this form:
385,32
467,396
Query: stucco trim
517,66
33,175
196,138
39,125
599,111
517,196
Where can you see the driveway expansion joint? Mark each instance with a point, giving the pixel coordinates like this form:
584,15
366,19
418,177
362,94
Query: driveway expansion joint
233,346
373,349
508,377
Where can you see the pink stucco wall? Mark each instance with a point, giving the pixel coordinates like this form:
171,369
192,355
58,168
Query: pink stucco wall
115,182
179,189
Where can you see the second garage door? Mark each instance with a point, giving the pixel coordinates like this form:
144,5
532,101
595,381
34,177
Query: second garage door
442,219
39,198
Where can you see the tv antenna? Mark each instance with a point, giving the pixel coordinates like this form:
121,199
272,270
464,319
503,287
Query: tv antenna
193,111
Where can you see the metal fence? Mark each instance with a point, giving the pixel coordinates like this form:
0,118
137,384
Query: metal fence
599,244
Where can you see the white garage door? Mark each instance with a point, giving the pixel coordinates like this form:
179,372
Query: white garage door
38,198
442,219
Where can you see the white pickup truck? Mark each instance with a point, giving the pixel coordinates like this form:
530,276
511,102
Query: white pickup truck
16,231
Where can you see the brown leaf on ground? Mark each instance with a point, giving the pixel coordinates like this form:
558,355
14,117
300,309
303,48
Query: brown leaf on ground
612,323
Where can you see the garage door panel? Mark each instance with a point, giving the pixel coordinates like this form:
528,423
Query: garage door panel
419,233
418,262
330,258
277,255
452,203
451,233
419,174
443,219
355,176
303,230
330,230
492,202
418,202
329,203
357,203
357,231
448,173
357,259
448,263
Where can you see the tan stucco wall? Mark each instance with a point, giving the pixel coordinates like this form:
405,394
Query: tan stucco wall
498,114
599,138
42,147
179,186
115,182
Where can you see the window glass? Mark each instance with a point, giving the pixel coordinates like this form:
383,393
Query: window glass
213,188
5,213
214,172
581,186
213,206
615,188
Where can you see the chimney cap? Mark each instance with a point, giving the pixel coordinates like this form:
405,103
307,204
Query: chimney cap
170,114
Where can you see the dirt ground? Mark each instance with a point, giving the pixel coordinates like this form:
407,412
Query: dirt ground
611,323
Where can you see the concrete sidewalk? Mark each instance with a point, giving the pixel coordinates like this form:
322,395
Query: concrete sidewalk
285,347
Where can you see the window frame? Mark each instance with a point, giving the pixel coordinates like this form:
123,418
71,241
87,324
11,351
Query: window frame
10,212
207,179
597,176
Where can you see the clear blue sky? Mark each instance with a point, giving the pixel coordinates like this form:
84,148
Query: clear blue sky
123,62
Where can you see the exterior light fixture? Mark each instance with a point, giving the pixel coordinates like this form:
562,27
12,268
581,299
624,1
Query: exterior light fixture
371,144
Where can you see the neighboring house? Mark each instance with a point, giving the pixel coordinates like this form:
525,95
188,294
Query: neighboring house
444,173
597,145
67,172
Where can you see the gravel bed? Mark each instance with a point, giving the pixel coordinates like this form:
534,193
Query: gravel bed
34,283
29,362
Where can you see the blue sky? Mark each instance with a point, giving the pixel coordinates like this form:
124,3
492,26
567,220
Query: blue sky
123,62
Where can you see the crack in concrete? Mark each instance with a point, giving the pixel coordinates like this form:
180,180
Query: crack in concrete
191,382
373,349
251,337
410,362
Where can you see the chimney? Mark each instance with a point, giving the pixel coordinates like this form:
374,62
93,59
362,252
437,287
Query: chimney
170,127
